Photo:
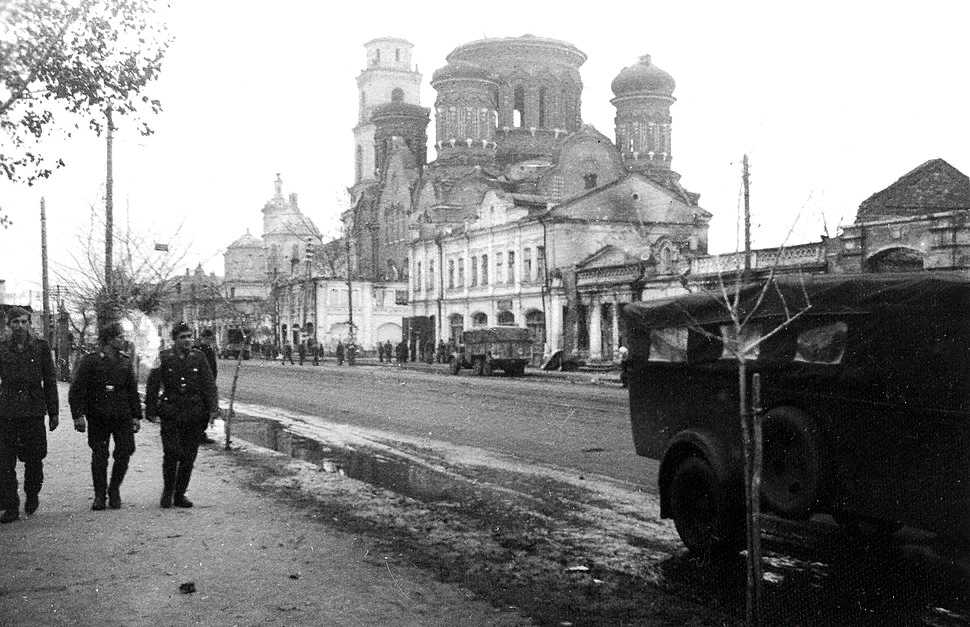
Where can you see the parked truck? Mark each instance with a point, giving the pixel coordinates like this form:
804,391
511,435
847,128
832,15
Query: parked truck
237,341
493,348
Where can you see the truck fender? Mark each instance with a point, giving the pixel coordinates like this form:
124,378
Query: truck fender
707,445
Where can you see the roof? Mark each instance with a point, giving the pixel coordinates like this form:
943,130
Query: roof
903,294
932,187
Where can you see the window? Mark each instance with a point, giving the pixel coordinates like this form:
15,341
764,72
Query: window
527,265
484,269
542,107
417,282
232,292
451,274
397,54
668,344
431,275
510,276
456,324
506,318
589,181
518,107
822,345
479,319
498,267
461,272
377,55
474,277
535,320
541,263
749,342
397,95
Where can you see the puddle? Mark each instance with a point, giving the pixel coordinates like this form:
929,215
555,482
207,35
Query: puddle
404,476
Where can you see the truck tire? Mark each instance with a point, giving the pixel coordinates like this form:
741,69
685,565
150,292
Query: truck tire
795,463
453,365
706,523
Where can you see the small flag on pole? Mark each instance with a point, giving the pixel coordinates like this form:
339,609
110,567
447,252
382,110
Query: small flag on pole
162,247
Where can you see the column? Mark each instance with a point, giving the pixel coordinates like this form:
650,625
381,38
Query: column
595,330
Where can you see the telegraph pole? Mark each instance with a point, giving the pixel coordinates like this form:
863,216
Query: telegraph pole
43,263
108,210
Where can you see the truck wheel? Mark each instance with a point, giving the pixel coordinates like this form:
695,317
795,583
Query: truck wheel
795,463
453,365
704,521
486,368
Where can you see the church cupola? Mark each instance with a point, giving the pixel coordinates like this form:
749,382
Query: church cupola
644,94
465,111
407,121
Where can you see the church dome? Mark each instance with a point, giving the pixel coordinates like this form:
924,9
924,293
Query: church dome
246,241
460,70
398,110
643,77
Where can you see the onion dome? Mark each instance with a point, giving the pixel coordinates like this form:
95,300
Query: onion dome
643,77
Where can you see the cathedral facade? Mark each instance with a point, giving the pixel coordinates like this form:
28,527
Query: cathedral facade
521,194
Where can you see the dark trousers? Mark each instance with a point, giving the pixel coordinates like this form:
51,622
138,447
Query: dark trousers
100,431
22,438
181,436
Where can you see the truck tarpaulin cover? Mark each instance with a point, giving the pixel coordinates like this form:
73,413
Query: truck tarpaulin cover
908,296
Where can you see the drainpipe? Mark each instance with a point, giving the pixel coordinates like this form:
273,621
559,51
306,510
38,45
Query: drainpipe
441,284
545,287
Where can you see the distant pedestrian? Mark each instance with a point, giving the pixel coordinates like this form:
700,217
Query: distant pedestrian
301,351
340,353
389,351
28,389
104,402
380,352
287,353
205,345
316,353
182,393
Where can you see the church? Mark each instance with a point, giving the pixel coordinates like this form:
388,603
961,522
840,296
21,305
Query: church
521,194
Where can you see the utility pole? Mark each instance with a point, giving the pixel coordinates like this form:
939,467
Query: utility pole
43,263
747,223
350,298
108,215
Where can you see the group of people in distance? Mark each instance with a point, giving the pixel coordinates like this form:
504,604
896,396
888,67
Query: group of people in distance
180,393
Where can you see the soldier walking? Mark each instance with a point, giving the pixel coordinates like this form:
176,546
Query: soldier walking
28,389
182,393
104,402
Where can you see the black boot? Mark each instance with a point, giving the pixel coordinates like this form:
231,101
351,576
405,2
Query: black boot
9,515
31,503
169,465
182,484
118,471
99,475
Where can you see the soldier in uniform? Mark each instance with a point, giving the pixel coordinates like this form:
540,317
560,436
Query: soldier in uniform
182,393
28,389
204,346
105,392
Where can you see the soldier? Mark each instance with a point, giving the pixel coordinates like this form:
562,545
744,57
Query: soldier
205,346
287,353
105,391
28,389
340,353
301,351
182,393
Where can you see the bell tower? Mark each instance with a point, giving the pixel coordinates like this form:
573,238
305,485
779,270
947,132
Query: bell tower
388,77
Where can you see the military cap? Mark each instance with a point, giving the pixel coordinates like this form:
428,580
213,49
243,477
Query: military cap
110,331
180,327
16,312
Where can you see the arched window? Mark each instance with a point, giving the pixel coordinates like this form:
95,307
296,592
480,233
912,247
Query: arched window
474,276
506,318
484,269
542,107
479,319
461,272
451,274
510,278
518,107
397,95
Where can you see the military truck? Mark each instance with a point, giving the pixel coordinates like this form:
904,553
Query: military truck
493,348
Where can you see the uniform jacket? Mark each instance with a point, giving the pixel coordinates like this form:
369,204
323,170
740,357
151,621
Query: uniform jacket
210,356
182,385
105,387
28,386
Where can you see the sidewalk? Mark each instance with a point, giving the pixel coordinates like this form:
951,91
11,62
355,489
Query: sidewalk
253,560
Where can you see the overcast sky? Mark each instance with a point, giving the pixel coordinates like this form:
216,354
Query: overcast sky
832,101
